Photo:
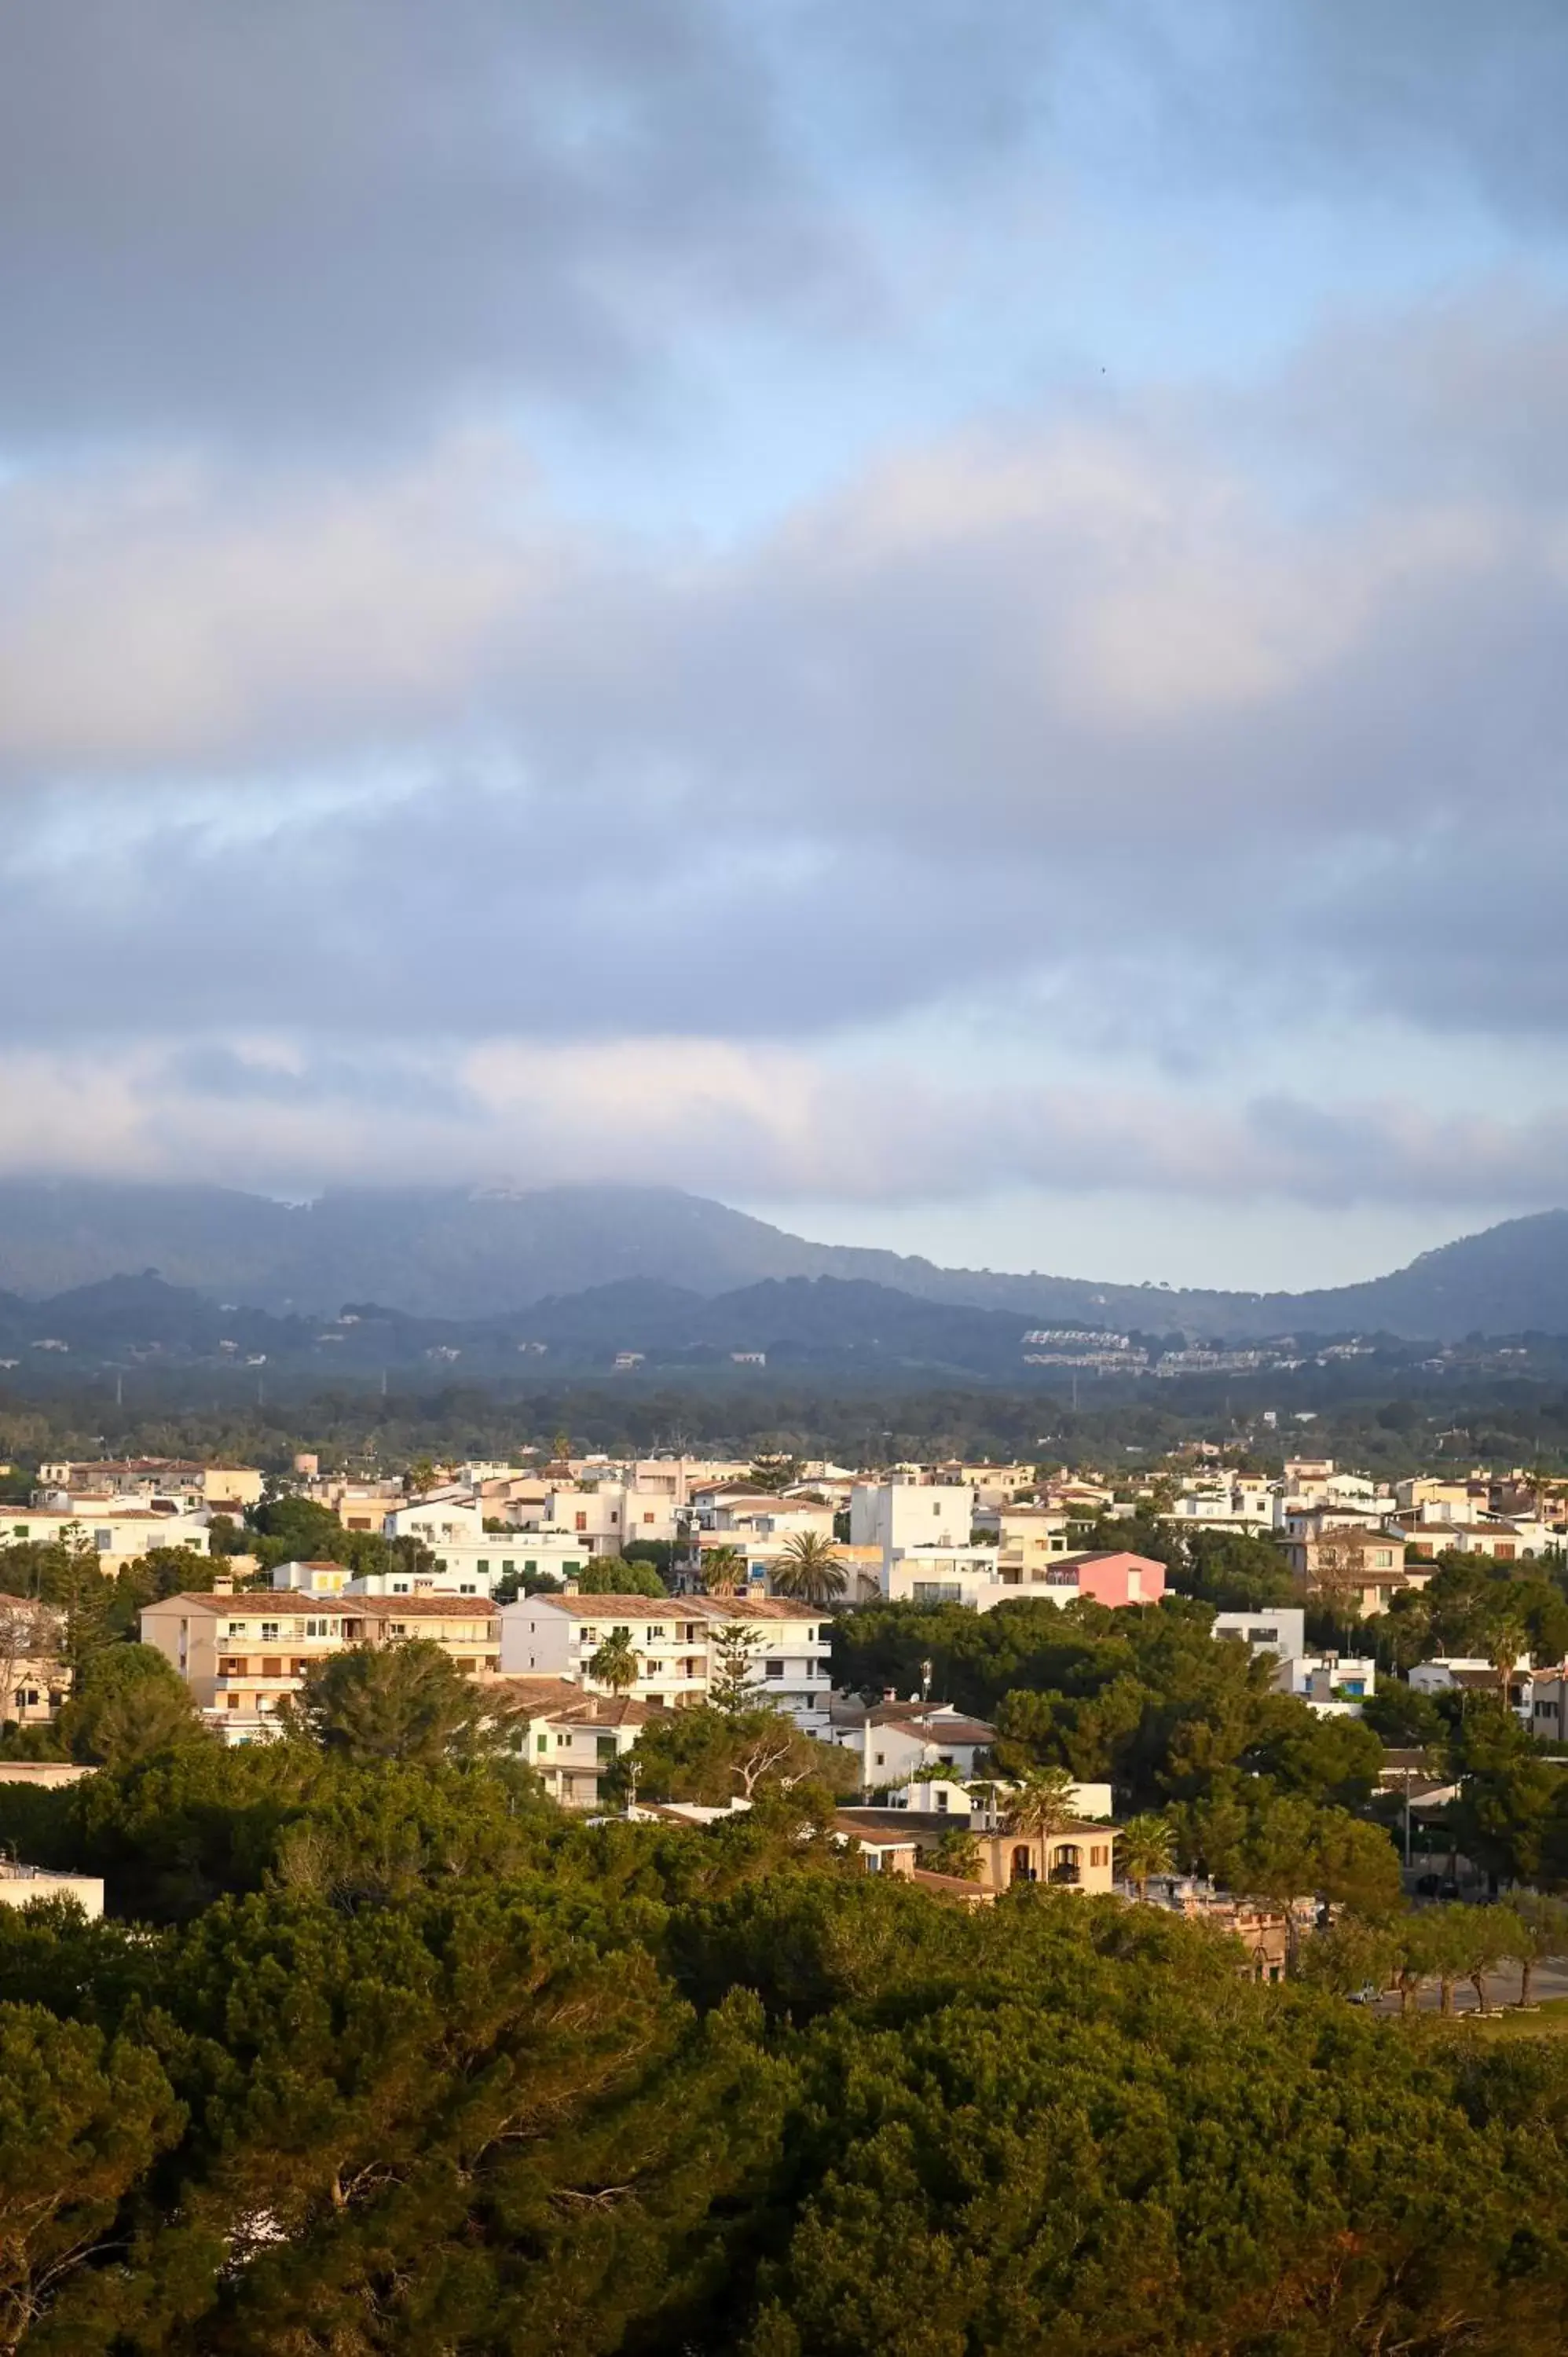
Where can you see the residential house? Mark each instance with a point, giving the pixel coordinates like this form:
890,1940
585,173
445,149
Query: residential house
1281,1631
1357,1566
1472,1675
443,1518
569,1737
1334,1686
33,1679
116,1533
897,1739
1079,1857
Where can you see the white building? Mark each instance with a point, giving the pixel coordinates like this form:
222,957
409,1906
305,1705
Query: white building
440,1520
1281,1631
946,1574
1334,1686
569,1737
675,1640
894,1514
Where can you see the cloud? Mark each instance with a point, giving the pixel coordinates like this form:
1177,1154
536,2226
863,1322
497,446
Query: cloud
324,217
754,1122
1117,707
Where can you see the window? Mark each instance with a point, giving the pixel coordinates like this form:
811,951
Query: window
773,1669
318,1628
604,1746
647,1518
272,1667
237,1628
879,1759
656,1702
103,1541
484,1568
397,1628
532,1565
579,1522
509,1564
543,1743
652,1669
271,1631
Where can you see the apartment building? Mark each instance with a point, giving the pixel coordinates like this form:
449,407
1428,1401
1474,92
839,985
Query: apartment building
446,1518
116,1533
241,1654
674,1637
908,1514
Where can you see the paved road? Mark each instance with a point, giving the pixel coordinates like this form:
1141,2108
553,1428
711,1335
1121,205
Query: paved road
1502,1989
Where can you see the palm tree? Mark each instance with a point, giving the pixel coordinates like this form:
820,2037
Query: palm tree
1145,1848
811,1570
958,1853
1042,1802
614,1663
1506,1642
723,1570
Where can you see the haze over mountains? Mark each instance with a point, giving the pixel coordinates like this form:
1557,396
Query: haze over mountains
484,1254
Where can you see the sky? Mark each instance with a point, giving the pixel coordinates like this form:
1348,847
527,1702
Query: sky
948,624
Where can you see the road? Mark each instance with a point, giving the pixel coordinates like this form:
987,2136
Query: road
1502,1989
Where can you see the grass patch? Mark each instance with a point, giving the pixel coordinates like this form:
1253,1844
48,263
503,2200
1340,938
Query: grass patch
1549,2019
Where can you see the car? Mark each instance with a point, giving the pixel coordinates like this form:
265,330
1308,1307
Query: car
1428,1885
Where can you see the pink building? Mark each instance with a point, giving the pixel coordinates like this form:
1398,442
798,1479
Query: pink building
1115,1576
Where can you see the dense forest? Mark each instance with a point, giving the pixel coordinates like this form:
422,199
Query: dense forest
1387,1430
397,2060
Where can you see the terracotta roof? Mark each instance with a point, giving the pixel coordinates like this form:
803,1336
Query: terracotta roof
928,1722
420,1608
954,1886
258,1603
558,1698
672,1608
854,1829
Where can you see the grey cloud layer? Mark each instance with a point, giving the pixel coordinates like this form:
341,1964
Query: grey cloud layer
316,218
1150,717
867,761
753,1124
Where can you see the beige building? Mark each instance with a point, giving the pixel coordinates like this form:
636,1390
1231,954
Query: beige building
1079,1857
1352,1564
241,1654
34,1680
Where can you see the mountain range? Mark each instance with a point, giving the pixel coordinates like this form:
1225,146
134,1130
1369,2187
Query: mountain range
485,1255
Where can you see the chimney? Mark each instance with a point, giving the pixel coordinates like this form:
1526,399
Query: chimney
569,1588
222,1582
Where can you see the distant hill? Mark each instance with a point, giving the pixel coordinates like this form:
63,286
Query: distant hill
477,1254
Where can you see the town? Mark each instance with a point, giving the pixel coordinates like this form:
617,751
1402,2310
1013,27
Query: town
658,1638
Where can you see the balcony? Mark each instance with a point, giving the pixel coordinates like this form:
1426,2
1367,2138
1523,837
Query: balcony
1066,1872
